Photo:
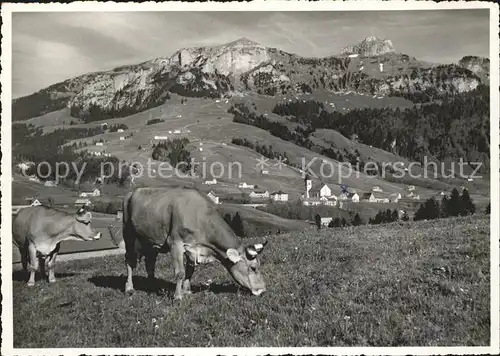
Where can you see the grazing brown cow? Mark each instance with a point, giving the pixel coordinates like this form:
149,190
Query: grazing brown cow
186,223
38,231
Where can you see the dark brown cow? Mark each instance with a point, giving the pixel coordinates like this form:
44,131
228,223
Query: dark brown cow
38,231
186,223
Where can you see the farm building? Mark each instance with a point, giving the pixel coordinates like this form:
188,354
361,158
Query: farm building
82,202
265,172
95,193
279,196
376,189
259,194
210,182
394,198
369,197
120,130
34,179
50,183
99,144
244,185
213,197
311,202
119,215
326,221
319,190
349,196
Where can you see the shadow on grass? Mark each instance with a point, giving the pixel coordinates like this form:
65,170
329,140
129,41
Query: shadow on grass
160,286
22,276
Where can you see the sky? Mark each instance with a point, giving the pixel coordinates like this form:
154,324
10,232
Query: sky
49,47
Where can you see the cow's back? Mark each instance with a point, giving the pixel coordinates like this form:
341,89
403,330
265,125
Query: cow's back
154,213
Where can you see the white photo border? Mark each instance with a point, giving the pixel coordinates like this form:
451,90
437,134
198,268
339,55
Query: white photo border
278,5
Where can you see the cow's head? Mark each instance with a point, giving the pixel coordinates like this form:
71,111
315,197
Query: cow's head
82,229
244,267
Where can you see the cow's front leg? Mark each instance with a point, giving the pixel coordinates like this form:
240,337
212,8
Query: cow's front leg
179,270
186,285
51,263
150,260
33,264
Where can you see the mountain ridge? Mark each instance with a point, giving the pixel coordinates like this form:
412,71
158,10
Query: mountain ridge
243,66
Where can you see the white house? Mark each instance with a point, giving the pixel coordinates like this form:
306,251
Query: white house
311,202
161,137
349,196
50,183
34,179
369,197
99,143
177,131
244,185
410,188
120,130
394,198
329,201
210,182
377,189
279,196
381,65
213,197
259,194
95,193
354,55
326,221
265,172
318,190
82,202
122,138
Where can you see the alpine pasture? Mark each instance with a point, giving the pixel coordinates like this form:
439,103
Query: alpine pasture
415,284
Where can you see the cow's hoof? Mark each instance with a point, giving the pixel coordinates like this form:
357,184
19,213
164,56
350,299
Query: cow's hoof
178,297
129,291
52,280
187,292
30,284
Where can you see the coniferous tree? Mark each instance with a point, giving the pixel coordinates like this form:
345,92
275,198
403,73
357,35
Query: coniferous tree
443,207
468,207
227,218
429,210
317,219
455,206
357,220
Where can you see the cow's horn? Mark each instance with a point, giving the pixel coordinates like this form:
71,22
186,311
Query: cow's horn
260,247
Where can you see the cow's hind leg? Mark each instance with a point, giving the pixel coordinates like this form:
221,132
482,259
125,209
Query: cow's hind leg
51,263
131,262
33,266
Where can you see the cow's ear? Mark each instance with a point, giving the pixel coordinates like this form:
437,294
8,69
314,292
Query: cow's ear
233,255
84,218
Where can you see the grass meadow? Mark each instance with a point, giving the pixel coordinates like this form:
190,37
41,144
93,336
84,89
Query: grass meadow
400,284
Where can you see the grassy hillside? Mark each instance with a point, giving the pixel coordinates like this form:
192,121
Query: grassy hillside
412,284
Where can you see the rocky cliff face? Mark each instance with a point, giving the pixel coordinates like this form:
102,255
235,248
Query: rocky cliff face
478,65
246,66
371,46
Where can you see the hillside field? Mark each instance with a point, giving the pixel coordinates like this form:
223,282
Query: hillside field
411,284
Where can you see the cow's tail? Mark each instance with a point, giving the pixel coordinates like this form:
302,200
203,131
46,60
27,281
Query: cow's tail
128,232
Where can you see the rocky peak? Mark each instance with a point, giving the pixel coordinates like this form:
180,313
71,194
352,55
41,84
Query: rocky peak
480,66
369,47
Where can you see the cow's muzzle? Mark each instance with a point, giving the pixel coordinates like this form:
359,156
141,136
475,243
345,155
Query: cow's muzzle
258,291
